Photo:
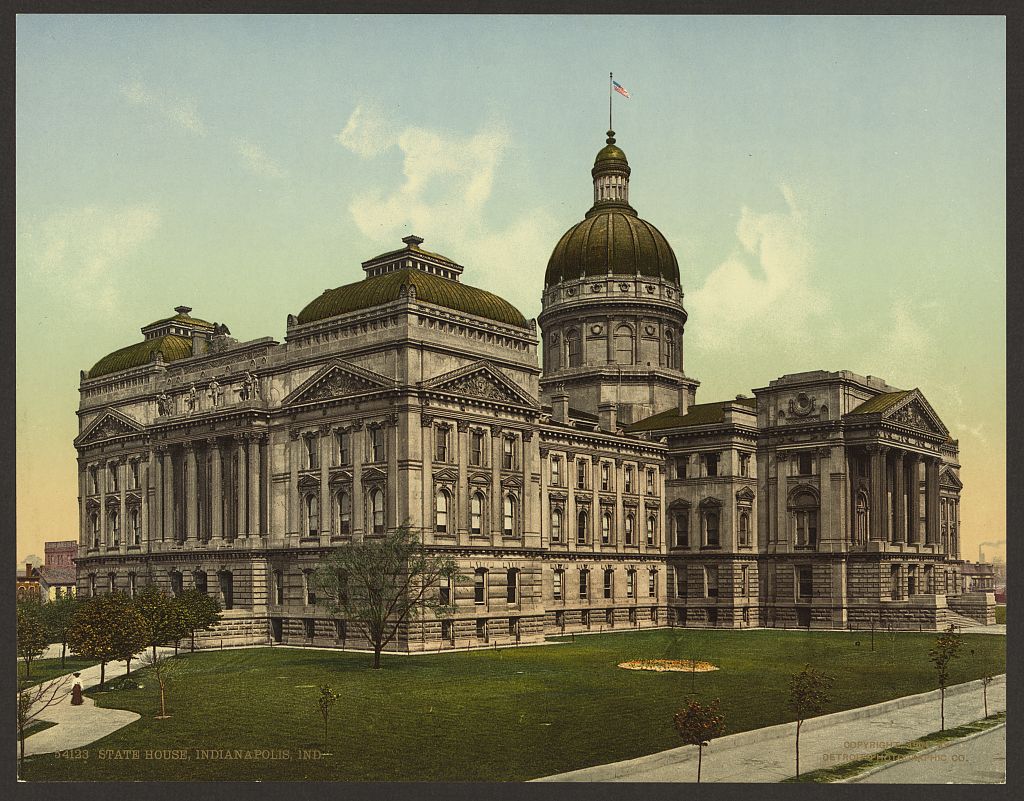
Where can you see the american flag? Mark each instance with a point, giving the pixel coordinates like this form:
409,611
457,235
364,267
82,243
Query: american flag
618,87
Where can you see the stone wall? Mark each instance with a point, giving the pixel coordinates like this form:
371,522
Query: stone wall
980,606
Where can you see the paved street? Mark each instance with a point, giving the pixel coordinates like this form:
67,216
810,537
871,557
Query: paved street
979,760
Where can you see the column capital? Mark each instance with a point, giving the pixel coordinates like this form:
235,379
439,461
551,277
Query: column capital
462,426
543,452
213,442
189,446
324,429
293,434
240,438
527,434
426,419
876,447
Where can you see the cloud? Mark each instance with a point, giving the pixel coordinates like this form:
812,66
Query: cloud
256,160
368,132
78,253
181,111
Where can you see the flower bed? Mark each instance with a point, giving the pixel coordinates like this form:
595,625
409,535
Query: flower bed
665,665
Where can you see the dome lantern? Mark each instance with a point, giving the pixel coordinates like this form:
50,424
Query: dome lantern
611,174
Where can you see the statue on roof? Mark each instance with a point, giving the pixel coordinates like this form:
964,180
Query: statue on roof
214,390
192,399
163,404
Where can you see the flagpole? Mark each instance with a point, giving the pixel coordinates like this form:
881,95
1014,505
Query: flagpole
609,101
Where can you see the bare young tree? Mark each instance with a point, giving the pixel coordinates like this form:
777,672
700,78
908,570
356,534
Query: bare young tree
986,680
325,701
947,648
164,668
32,702
378,584
698,725
808,695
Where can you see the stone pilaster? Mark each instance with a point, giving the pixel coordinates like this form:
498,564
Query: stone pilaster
191,493
216,492
899,532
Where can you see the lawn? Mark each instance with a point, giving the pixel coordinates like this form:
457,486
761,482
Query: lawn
43,669
1001,614
488,715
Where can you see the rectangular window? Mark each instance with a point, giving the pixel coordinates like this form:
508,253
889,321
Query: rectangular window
584,583
745,464
94,487
608,583
581,474
652,584
681,467
312,456
308,628
681,588
682,520
377,444
650,482
112,478
711,581
556,587
341,630
652,524
444,592
605,479
344,448
711,464
805,583
133,474
481,628
912,580
441,444
631,584
478,587
556,471
805,464
508,453
446,630
894,582
745,580
476,448
627,480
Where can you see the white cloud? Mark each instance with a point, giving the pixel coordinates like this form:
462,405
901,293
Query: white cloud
78,253
368,131
256,160
180,110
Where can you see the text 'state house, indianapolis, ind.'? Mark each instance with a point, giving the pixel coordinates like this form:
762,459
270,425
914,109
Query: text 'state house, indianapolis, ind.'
590,492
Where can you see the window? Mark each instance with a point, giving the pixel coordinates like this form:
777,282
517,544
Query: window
556,585
444,591
112,478
581,474
556,525
131,585
745,580
629,528
650,482
805,583
711,581
513,628
652,526
710,464
556,471
278,587
912,588
572,346
341,630
476,512
606,528
133,474
308,627
344,448
682,520
652,583
805,519
609,579
623,340
176,583
476,448
805,464
627,479
710,521
481,628
112,582
744,464
92,585
862,526
442,504
377,509
227,589
605,477
441,436
512,586
744,528
609,617
681,589
376,444
630,583
344,514
114,526
584,583
312,515
94,528
670,350
309,587
94,486
479,585
681,467
508,453
509,516
312,456
894,582
446,631
134,530
581,527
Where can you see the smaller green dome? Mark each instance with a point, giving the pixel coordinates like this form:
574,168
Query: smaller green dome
140,354
610,153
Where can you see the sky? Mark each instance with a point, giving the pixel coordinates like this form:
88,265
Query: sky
833,187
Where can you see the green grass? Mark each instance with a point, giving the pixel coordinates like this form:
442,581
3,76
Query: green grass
897,753
45,669
1001,614
490,715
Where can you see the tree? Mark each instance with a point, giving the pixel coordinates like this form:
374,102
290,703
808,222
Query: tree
947,648
325,701
107,628
378,583
986,680
131,634
808,695
699,725
31,633
198,612
161,615
165,668
32,702
58,615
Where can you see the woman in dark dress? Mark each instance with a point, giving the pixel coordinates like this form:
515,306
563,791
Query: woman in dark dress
76,691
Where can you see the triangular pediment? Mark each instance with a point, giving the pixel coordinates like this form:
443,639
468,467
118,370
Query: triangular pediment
309,482
109,425
341,477
446,474
337,380
373,474
512,482
947,478
480,380
746,494
913,411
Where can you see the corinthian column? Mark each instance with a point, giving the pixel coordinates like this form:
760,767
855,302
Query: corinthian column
899,531
216,491
913,499
878,522
254,485
932,499
191,493
240,486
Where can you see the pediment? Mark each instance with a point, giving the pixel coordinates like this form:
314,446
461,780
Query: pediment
337,380
109,425
480,380
947,478
373,474
480,478
446,474
341,477
512,482
913,411
746,495
309,482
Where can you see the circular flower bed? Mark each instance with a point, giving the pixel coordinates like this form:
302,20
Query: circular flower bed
664,665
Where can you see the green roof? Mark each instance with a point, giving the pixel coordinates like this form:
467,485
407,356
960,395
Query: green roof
881,403
141,353
181,318
699,414
387,288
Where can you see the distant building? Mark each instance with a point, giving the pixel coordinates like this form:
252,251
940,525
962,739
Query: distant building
57,575
978,577
28,583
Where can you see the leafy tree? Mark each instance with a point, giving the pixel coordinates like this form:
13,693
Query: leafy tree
808,695
161,614
32,702
31,633
107,628
378,583
986,680
165,669
698,725
131,634
947,648
198,612
325,701
58,615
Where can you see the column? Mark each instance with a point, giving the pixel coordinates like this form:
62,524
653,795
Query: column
240,486
913,499
932,499
391,443
595,504
216,491
293,482
102,478
526,501
461,443
191,496
427,482
878,526
144,473
619,523
84,532
167,532
253,463
358,445
899,532
495,500
122,510
569,519
545,501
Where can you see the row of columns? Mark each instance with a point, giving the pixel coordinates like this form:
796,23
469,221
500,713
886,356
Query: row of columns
126,536
900,522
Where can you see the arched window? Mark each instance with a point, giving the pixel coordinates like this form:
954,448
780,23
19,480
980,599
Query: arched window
804,508
377,510
476,512
709,526
682,521
556,525
623,345
344,513
201,582
652,528
862,524
176,582
581,526
133,525
744,528
114,526
442,506
94,527
312,515
606,528
670,349
629,528
572,347
510,515
227,589
512,586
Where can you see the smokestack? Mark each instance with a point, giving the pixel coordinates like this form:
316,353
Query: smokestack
560,406
684,399
606,416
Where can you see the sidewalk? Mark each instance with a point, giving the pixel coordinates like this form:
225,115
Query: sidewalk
767,755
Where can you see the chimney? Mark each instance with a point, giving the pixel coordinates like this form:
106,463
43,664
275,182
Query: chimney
28,570
560,406
684,399
606,414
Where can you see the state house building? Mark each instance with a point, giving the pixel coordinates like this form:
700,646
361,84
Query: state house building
592,492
